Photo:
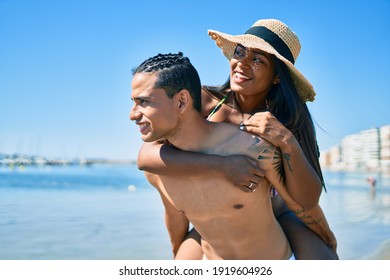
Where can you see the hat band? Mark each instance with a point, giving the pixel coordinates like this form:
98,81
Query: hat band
273,39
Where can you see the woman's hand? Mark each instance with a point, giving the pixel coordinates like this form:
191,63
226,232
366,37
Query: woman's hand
268,127
242,171
302,181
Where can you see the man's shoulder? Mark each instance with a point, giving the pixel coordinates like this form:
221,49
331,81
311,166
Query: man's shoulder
241,142
257,145
234,141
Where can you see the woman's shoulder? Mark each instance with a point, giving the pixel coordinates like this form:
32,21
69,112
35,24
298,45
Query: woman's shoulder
216,95
210,99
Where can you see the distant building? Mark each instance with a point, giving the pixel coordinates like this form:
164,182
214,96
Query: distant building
384,133
332,157
368,150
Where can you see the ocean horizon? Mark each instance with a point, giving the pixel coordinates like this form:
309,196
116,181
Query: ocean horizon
110,212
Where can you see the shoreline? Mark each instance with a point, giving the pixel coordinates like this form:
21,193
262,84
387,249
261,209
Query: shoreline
382,252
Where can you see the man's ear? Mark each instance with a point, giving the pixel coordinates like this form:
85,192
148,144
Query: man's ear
184,100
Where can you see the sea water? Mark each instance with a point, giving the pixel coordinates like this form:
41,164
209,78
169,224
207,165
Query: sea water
111,212
358,213
87,212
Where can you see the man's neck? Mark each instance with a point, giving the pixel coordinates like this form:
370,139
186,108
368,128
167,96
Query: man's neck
192,133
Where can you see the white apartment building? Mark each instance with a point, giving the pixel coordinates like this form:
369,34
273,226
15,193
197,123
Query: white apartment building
368,150
384,133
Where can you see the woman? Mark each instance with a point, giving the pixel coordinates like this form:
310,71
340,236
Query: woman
265,94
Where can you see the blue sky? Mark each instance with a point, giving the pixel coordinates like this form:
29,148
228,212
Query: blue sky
65,66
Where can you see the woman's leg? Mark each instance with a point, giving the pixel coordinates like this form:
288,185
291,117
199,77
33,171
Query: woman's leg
305,244
190,249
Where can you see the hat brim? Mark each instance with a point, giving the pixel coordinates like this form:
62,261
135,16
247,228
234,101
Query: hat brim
228,44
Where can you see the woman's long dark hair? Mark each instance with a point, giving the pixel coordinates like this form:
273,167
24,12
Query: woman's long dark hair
286,105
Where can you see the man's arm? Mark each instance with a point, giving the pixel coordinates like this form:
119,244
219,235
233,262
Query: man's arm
166,160
177,225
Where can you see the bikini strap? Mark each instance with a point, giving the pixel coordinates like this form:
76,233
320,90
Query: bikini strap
219,105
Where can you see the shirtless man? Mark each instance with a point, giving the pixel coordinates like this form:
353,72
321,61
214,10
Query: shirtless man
166,91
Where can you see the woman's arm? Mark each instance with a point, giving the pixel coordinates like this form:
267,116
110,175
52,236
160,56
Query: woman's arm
166,160
314,218
302,181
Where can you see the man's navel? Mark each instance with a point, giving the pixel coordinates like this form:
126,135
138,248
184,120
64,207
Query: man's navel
238,206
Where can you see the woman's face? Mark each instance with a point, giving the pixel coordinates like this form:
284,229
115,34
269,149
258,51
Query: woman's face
252,72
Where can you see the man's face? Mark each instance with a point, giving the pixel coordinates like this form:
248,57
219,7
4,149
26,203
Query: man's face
153,111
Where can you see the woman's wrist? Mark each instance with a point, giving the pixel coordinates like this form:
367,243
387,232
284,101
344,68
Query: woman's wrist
289,142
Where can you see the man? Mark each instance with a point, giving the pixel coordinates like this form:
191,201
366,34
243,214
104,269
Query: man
166,91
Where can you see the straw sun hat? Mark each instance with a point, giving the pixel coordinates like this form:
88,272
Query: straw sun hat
274,37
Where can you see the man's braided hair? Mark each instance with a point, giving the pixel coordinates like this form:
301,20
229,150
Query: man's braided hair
175,73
